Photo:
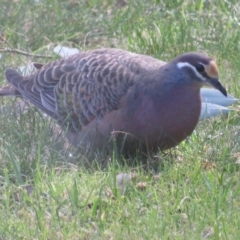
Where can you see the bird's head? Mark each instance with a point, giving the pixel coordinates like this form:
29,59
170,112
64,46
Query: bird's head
200,68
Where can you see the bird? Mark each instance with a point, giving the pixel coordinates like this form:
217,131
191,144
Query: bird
111,97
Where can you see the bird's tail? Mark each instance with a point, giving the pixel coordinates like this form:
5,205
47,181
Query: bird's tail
9,91
14,77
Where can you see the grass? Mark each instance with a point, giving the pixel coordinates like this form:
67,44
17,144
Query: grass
190,192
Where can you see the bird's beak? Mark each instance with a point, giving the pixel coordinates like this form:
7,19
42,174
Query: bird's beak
216,84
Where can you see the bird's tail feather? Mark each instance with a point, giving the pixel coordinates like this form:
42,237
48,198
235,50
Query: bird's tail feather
9,91
14,77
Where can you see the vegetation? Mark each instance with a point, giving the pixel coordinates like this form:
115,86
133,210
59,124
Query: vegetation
49,192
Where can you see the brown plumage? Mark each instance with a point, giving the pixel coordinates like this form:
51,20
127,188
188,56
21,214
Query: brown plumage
99,95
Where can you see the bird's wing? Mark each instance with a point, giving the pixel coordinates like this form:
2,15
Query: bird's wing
86,86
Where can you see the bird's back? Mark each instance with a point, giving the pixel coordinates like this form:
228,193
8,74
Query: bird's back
76,90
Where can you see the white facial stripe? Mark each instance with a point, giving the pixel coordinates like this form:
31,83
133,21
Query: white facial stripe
186,64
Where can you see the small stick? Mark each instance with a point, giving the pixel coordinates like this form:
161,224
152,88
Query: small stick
8,50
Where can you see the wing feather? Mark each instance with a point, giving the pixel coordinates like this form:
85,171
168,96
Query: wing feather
86,86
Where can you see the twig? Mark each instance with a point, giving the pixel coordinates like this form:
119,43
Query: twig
8,50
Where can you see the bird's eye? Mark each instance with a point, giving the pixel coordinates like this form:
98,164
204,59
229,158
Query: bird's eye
200,68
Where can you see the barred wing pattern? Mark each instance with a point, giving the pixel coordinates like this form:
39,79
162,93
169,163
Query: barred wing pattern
78,89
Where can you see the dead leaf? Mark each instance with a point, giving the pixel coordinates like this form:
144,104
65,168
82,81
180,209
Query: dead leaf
207,165
141,185
207,232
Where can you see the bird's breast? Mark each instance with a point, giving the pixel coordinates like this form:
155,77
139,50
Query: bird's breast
165,119
158,120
